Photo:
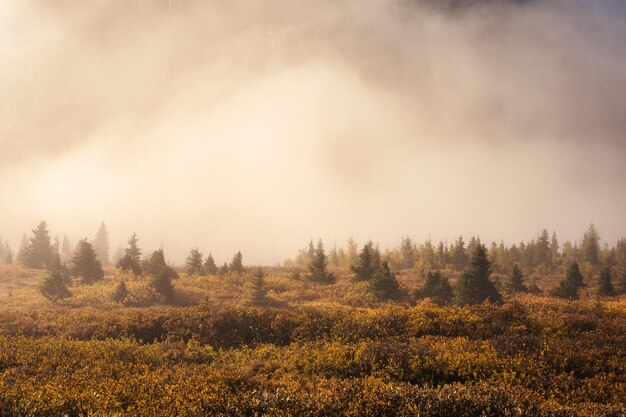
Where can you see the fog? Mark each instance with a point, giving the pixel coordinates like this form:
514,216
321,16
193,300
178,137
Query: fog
258,125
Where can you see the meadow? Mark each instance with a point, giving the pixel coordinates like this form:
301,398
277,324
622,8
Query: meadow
309,350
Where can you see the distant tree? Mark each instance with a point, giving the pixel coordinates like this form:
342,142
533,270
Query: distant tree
22,251
259,290
209,266
351,253
38,254
120,292
223,269
66,252
133,250
236,265
118,254
311,250
571,283
554,246
474,285
591,246
459,256
542,253
333,257
56,246
194,262
515,283
128,263
437,288
366,266
161,282
384,283
621,284
605,283
101,244
407,253
85,263
317,267
156,264
53,286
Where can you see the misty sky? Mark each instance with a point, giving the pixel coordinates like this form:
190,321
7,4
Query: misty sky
257,125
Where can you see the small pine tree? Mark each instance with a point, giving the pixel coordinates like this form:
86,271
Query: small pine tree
317,267
365,268
384,283
39,253
120,292
605,283
437,288
571,283
515,283
156,264
85,263
591,246
258,290
474,285
53,286
236,264
194,262
128,263
133,250
209,266
161,282
223,269
621,284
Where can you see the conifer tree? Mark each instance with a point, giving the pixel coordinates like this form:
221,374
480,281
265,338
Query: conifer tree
22,251
223,269
133,250
101,244
38,254
161,282
351,252
515,283
194,262
156,264
365,268
384,283
120,292
437,288
543,254
459,256
591,246
317,267
53,286
66,252
571,283
310,253
554,246
621,284
474,285
236,265
209,266
128,263
259,290
407,253
85,263
605,283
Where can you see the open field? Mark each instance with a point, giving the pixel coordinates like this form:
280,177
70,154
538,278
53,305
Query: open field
311,350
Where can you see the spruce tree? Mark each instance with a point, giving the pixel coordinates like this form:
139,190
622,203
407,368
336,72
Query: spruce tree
161,282
101,244
459,256
384,283
236,264
571,283
209,266
258,290
194,262
133,250
474,285
605,283
223,269
621,284
156,264
366,267
22,251
38,254
53,286
120,292
591,246
128,263
317,267
85,263
437,288
407,253
515,283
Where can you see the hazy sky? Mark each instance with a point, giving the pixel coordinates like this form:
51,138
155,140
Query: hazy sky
257,125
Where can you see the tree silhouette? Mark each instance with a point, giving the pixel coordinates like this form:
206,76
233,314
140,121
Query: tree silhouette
571,283
437,288
258,290
474,285
53,286
236,265
194,262
384,283
120,292
366,266
85,263
605,283
591,246
318,267
38,253
515,283
133,250
209,266
161,282
101,244
156,264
